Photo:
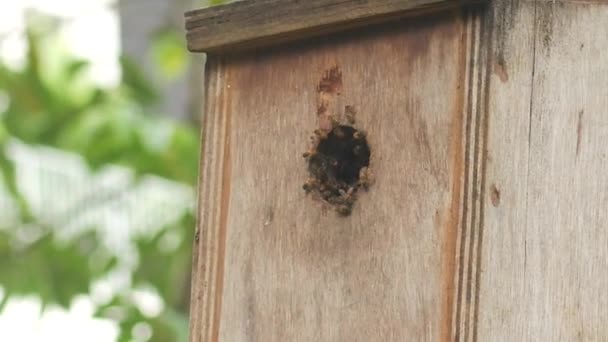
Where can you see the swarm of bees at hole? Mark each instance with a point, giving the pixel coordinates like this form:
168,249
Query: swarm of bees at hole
341,168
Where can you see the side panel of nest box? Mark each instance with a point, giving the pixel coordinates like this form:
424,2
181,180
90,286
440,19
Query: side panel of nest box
275,262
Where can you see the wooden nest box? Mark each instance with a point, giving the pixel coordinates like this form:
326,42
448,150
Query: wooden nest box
402,170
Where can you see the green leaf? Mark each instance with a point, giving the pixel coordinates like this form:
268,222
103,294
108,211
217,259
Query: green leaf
136,83
168,326
9,177
55,271
3,135
53,103
75,68
169,53
168,272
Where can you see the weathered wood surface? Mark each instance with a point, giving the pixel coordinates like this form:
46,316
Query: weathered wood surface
276,265
488,218
258,23
545,249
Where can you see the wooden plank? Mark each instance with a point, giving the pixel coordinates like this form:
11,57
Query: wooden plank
501,289
546,244
208,249
276,265
259,23
469,244
568,183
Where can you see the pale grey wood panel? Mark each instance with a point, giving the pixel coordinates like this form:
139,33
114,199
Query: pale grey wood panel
503,259
567,235
545,251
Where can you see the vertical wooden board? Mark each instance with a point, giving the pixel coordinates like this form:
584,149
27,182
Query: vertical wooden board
501,315
546,244
567,239
276,265
470,232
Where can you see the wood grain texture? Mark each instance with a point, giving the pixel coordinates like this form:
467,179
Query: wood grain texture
259,23
502,287
568,178
214,189
469,243
487,221
545,251
276,265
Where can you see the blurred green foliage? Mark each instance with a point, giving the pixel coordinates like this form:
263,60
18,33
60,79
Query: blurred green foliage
51,102
169,54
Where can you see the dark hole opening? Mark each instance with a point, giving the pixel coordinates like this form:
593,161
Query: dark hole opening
339,159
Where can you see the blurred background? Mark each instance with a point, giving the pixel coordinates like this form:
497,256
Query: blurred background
99,139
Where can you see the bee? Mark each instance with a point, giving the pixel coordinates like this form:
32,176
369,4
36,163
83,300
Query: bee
349,113
327,195
366,178
344,209
348,194
310,153
310,185
334,122
360,134
339,132
320,134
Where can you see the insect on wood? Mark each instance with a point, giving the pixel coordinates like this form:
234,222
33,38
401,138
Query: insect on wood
339,156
